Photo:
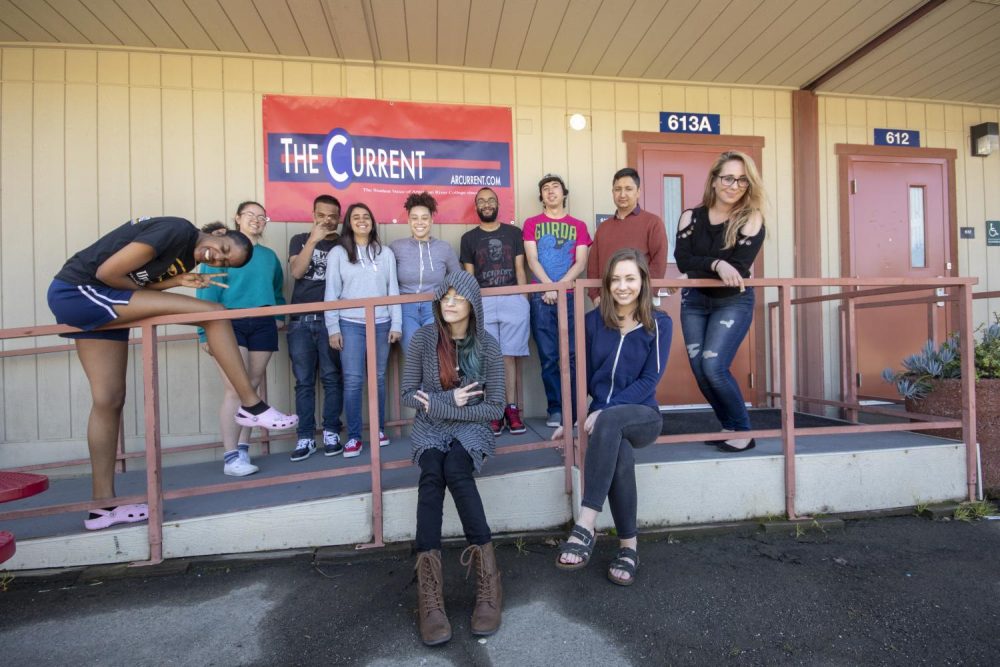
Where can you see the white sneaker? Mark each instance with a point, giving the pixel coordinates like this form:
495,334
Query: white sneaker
239,468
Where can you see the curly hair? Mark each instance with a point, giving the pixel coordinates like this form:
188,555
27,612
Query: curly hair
421,199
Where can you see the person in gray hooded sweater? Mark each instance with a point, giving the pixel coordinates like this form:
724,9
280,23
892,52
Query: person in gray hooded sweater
359,268
422,262
454,379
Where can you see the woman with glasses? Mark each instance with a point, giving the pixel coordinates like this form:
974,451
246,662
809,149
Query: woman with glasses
360,267
454,379
256,284
422,262
720,239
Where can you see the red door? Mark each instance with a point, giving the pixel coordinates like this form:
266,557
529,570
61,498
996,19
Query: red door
898,227
673,180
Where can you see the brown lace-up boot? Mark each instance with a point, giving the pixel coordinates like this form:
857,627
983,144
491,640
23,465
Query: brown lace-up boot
432,619
489,592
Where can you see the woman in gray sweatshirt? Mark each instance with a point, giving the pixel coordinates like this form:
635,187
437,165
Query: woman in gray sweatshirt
422,262
358,268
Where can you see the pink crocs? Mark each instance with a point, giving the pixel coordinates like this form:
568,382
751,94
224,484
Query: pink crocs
120,514
271,419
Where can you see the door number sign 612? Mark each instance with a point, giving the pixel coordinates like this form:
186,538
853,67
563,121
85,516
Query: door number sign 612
887,137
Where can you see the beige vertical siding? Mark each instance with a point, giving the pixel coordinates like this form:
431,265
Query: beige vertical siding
91,138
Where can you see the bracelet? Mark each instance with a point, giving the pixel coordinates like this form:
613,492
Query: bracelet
715,265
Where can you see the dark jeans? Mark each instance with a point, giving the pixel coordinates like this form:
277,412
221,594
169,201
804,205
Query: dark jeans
352,359
454,470
545,330
609,468
309,349
713,330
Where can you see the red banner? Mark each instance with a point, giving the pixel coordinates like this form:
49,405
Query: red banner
378,152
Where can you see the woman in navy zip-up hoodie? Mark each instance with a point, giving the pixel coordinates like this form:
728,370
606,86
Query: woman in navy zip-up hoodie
628,342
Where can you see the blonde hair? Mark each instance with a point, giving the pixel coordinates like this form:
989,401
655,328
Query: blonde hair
751,202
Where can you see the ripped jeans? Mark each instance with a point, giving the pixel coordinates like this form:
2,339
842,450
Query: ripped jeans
713,331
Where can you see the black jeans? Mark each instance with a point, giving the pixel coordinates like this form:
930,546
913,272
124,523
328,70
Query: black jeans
609,469
453,470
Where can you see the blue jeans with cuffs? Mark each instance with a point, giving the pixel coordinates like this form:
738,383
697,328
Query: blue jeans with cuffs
309,349
353,362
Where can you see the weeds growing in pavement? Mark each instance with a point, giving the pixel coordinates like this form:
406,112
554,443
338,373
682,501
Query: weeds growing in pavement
971,511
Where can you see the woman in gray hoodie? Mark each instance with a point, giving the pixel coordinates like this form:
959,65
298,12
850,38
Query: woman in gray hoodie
454,378
422,262
359,268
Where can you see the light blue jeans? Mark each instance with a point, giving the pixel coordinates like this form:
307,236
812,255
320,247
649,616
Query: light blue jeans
415,315
352,361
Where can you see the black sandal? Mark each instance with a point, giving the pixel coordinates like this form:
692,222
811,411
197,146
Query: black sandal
583,549
626,560
722,445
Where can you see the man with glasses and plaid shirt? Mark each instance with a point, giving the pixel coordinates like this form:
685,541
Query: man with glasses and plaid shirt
308,344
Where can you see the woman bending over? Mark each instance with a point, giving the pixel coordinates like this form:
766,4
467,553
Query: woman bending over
121,278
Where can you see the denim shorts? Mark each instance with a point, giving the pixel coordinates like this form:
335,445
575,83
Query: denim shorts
257,334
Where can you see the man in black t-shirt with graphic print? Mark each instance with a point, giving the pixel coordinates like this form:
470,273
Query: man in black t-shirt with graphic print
308,344
494,254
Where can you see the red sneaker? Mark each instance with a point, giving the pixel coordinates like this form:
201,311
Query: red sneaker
353,448
496,426
513,417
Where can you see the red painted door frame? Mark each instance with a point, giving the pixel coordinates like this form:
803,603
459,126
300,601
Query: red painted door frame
636,142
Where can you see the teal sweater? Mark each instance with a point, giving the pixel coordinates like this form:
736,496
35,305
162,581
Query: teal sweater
257,283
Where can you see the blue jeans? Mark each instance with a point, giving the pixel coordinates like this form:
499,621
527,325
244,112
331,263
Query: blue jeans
309,348
352,360
545,330
415,315
713,331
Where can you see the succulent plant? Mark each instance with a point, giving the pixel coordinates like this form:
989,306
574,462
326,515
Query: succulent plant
945,361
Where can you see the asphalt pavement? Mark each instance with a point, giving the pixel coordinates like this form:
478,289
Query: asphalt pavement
888,591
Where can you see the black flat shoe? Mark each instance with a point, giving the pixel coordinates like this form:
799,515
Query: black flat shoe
729,448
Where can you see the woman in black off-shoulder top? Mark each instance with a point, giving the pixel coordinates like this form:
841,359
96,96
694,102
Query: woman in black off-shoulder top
720,239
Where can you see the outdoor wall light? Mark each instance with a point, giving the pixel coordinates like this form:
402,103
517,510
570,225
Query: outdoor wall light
578,121
985,139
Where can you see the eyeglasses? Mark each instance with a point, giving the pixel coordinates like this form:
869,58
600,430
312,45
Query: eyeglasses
254,216
729,181
453,300
486,202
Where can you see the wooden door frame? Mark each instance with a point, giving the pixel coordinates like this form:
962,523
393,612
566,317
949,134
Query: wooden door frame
942,156
636,142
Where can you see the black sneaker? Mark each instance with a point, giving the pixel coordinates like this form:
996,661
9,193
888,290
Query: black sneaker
304,449
331,444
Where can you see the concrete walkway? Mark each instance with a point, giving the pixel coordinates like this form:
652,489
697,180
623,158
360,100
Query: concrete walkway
891,591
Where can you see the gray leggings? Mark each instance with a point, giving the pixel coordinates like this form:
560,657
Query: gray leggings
609,469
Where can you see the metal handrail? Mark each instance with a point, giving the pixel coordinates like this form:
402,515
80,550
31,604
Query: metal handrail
573,450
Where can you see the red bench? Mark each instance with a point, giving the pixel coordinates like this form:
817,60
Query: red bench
14,486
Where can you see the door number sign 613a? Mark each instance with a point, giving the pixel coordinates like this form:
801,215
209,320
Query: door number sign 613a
887,137
689,123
